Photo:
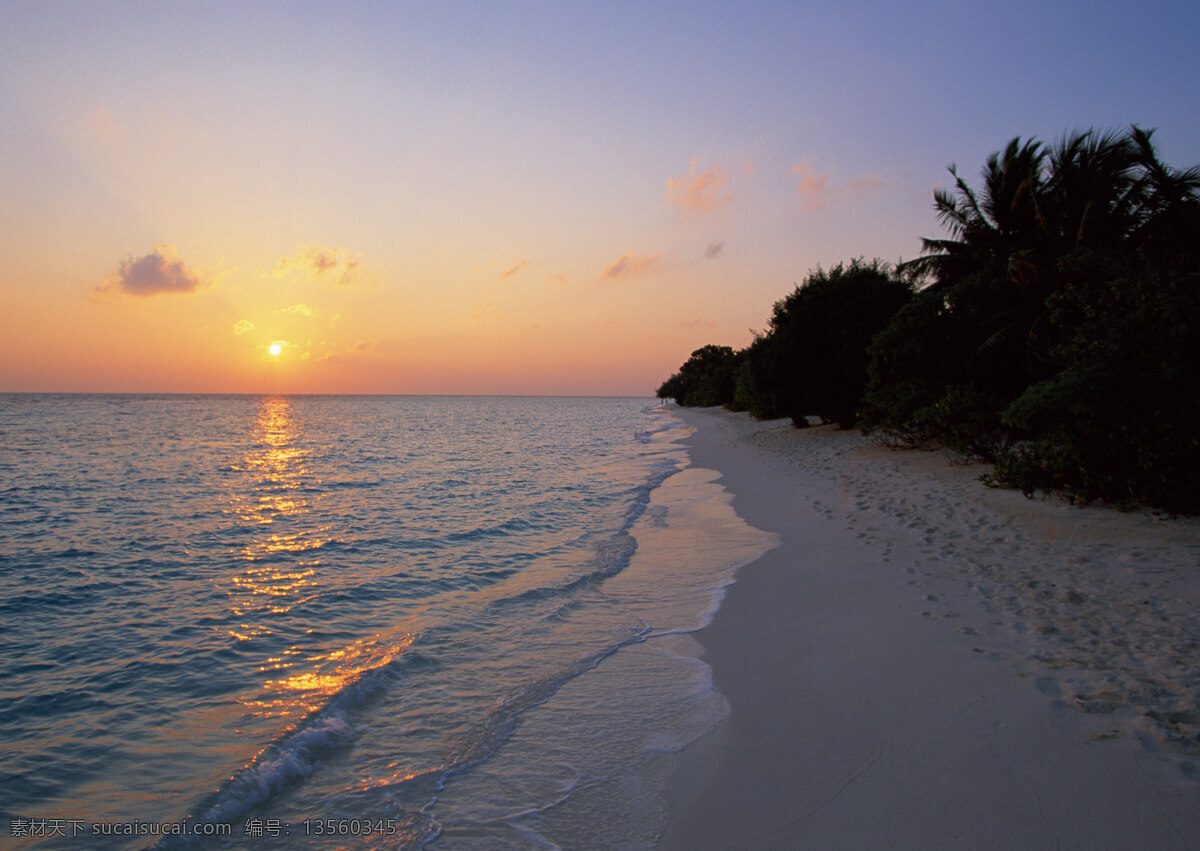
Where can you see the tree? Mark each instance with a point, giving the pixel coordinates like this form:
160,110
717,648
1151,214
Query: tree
705,379
1041,215
813,358
1121,420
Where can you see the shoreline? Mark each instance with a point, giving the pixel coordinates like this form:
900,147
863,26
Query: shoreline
927,663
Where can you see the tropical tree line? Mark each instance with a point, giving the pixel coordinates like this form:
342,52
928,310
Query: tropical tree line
1054,331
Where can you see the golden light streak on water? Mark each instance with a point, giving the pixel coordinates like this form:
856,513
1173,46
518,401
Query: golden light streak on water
274,581
277,462
303,692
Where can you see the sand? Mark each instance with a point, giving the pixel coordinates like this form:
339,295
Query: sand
926,663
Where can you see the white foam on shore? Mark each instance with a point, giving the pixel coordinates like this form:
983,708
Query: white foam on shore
591,767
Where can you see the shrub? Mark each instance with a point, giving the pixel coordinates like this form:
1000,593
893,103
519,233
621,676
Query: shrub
813,358
1121,421
706,379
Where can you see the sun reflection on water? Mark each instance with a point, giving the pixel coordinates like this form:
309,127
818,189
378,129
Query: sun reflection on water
283,569
278,496
278,463
307,690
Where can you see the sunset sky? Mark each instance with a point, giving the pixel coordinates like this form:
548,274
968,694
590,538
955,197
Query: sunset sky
503,197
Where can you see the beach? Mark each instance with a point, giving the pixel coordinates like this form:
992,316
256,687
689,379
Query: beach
924,662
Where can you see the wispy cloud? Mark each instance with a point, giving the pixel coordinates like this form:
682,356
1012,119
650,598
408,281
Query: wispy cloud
516,267
701,191
714,250
326,264
860,186
698,322
557,277
300,309
159,272
243,326
628,265
816,192
813,187
330,356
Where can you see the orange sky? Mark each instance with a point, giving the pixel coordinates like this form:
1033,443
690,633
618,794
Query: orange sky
513,198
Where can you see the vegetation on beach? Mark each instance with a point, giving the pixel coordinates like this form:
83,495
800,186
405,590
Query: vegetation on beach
1054,331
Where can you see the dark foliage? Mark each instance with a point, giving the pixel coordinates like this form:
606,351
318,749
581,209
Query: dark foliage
813,359
1005,304
1121,421
1055,329
706,379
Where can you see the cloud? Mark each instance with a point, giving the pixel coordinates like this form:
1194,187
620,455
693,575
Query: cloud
521,264
557,277
325,264
243,326
700,191
158,272
300,309
627,265
860,186
698,322
714,250
813,188
365,346
817,193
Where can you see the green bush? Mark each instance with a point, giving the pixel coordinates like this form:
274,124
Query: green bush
1121,421
705,380
1056,330
812,361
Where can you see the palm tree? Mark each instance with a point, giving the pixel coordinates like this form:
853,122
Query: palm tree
987,227
1101,192
1169,221
1090,195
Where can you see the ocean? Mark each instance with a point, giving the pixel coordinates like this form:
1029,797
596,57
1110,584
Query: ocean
368,621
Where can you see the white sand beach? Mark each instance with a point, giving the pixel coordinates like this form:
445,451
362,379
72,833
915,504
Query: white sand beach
926,663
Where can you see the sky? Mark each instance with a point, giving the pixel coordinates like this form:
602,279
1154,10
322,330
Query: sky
552,198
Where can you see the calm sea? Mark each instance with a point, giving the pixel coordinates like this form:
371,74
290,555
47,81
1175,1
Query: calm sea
385,622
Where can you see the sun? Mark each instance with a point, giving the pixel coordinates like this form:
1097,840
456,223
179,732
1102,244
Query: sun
275,349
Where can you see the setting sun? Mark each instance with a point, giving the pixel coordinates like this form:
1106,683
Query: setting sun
275,349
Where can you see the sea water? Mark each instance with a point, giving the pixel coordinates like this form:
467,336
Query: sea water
392,622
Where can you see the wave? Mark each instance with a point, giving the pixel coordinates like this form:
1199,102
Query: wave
297,754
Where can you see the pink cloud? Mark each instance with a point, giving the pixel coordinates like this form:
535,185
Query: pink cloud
813,187
701,191
520,264
158,272
816,192
860,186
627,265
324,263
